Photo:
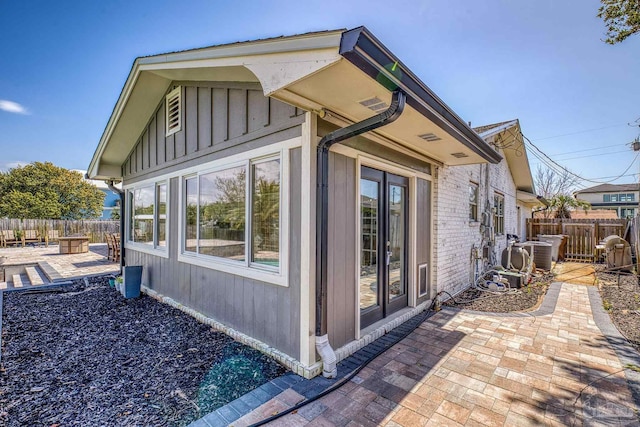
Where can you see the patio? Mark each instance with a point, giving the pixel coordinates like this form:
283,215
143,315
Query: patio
67,267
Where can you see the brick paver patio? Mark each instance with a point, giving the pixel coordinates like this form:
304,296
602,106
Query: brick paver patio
474,369
94,262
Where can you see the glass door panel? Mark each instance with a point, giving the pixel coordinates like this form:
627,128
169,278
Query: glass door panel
396,242
369,224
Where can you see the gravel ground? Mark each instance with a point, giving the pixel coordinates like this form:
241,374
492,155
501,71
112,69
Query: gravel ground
524,299
621,298
90,357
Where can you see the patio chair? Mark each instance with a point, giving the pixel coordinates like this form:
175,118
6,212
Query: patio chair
30,236
8,237
110,246
116,247
51,236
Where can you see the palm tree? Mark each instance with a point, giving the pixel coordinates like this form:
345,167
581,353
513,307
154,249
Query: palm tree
563,204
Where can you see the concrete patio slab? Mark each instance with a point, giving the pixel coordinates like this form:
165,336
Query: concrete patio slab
477,369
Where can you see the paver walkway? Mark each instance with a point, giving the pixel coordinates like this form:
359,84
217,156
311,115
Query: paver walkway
475,369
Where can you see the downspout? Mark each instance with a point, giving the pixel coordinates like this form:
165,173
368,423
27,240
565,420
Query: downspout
122,211
323,347
546,204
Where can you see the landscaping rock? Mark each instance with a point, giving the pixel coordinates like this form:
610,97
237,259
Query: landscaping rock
87,356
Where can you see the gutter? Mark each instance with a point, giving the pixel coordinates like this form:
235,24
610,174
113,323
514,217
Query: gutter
545,202
394,111
367,53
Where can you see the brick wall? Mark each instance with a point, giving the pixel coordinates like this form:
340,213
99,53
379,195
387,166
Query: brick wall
455,235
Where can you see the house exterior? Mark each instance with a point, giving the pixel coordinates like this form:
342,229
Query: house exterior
621,198
111,199
303,194
472,231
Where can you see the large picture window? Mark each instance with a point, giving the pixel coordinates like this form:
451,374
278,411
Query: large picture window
147,217
233,214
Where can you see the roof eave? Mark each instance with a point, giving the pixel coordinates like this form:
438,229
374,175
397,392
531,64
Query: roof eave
367,53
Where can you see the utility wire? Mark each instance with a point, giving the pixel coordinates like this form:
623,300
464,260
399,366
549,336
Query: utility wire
579,132
590,149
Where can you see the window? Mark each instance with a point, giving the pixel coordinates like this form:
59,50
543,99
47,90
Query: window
222,213
233,214
606,198
498,215
173,111
147,215
627,212
473,201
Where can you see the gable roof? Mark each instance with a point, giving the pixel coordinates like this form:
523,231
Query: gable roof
511,142
330,71
610,188
488,129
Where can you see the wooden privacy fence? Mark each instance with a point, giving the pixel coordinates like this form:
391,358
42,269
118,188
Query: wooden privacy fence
95,229
582,234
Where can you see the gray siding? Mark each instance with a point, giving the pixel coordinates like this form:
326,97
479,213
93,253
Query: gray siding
423,231
218,120
269,313
341,287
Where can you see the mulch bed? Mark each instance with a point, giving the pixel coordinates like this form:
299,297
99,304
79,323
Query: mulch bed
621,298
87,356
524,299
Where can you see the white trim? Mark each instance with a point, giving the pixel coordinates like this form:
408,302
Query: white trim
246,268
175,93
151,249
380,163
365,159
308,239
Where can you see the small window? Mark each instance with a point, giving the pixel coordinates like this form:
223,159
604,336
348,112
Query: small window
498,215
147,215
614,197
173,117
606,198
473,201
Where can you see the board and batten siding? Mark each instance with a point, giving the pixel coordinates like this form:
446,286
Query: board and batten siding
341,262
266,312
218,120
423,233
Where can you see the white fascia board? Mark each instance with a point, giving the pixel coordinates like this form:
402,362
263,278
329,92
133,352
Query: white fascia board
93,171
498,129
277,63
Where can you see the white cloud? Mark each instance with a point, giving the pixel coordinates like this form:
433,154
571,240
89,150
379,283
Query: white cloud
5,166
12,107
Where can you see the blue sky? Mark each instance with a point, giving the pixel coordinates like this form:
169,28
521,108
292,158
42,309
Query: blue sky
63,64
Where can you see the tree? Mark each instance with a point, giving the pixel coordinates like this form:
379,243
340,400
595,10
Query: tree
563,204
550,183
622,18
43,190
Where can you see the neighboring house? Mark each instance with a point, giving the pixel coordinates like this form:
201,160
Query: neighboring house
501,198
111,199
621,198
217,151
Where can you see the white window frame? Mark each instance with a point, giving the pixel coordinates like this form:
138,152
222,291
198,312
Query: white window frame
245,268
153,249
497,217
476,187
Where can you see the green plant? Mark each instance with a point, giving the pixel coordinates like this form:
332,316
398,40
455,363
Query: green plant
607,305
119,279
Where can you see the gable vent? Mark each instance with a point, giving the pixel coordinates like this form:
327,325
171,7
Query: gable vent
431,137
173,119
374,104
459,155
